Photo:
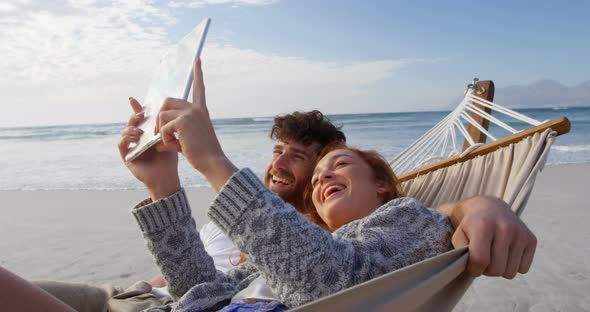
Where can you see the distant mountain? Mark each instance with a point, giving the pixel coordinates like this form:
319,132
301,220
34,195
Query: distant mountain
544,93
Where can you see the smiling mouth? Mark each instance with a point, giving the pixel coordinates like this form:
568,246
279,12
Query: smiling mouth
331,190
280,181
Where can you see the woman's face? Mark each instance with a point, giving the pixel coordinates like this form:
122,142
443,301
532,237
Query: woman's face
345,188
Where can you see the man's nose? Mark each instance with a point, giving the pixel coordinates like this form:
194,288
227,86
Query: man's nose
280,162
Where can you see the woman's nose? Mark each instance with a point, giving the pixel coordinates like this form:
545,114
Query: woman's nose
325,176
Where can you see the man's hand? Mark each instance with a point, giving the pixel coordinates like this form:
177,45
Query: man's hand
158,281
500,244
186,127
157,170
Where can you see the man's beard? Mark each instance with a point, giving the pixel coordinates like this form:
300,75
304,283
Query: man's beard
294,195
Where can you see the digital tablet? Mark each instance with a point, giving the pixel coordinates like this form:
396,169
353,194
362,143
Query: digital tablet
172,78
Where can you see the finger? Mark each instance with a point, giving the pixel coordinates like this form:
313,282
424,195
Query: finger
123,148
135,106
124,144
514,259
136,119
170,104
198,85
169,140
165,117
528,255
459,238
170,147
499,256
479,251
174,104
131,131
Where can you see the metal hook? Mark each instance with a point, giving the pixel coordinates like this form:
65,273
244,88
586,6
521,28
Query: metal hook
477,88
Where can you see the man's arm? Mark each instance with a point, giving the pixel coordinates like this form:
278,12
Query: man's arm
500,244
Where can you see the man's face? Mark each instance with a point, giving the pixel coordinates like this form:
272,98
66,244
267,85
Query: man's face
289,171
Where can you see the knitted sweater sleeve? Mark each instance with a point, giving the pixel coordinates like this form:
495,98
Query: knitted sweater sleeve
171,236
303,262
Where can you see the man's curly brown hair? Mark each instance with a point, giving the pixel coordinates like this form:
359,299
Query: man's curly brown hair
306,128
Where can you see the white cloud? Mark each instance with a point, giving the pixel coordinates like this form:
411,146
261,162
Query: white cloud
78,63
82,41
251,83
7,7
68,56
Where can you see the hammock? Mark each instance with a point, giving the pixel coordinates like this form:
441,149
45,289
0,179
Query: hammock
504,168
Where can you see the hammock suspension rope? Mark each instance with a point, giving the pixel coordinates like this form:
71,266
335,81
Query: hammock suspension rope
440,142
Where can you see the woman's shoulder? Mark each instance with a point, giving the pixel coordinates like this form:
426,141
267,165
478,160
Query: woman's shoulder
404,205
409,211
403,224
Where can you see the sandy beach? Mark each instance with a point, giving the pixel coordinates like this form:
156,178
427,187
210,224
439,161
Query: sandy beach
90,236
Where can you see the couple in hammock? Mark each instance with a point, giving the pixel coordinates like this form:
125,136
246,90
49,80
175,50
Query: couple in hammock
361,226
340,219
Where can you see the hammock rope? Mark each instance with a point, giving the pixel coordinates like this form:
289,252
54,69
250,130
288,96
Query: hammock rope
442,140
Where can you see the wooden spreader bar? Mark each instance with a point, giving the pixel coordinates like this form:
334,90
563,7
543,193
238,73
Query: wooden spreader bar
560,125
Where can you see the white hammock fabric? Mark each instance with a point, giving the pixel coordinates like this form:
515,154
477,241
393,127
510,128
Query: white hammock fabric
509,173
438,283
446,138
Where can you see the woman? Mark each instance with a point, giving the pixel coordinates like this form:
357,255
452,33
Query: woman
301,262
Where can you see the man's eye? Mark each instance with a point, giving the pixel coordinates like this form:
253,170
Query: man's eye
299,157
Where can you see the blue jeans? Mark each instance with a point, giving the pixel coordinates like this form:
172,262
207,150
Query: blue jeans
259,306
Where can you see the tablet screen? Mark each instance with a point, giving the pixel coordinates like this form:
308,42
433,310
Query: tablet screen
172,78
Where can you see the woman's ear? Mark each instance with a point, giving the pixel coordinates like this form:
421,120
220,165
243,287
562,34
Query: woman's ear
383,188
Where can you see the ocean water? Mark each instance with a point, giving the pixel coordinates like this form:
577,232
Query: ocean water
86,156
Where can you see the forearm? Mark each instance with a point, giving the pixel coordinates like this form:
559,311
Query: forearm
455,211
163,188
171,236
218,170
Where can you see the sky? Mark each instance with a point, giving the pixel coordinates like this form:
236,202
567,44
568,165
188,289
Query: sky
77,62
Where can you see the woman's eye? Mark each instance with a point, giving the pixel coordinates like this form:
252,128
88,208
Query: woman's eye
340,164
314,182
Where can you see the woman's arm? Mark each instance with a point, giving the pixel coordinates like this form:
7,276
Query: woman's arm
303,262
171,236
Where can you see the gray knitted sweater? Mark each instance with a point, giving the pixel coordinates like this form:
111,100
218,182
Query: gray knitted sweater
300,261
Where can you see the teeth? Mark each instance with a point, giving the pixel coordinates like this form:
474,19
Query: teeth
279,180
331,190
